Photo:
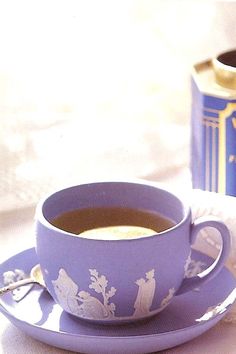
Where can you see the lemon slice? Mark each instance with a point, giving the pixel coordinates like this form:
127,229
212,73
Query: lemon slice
121,232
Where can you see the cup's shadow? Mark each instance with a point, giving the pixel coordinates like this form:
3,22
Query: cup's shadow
46,304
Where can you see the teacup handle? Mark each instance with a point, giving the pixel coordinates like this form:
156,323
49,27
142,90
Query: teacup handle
209,273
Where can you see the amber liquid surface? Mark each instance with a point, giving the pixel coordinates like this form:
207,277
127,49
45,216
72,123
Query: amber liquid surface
114,219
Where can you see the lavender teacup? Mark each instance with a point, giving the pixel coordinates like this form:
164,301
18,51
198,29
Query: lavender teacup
104,278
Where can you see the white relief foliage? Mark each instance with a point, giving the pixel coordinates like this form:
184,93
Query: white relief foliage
168,298
194,267
99,284
146,291
12,276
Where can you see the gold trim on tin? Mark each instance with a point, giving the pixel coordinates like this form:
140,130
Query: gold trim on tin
211,131
207,160
224,67
213,174
223,116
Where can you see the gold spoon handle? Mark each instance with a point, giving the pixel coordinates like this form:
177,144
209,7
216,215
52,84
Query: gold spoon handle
16,285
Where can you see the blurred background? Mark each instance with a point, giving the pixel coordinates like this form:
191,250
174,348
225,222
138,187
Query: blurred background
93,90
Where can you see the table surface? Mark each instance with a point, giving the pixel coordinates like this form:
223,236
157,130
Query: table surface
17,233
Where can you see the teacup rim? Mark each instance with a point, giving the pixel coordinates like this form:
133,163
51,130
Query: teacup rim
40,217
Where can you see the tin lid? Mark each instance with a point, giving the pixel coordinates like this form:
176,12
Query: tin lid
224,66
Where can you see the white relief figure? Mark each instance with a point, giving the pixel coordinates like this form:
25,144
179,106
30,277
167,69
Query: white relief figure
168,297
145,294
91,307
187,263
66,291
82,303
194,267
139,299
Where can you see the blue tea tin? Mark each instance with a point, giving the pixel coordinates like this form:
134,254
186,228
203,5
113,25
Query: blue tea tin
213,150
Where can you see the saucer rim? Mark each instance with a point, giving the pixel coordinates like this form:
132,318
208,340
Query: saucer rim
213,320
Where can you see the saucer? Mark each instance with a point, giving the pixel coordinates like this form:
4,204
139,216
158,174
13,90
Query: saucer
188,316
